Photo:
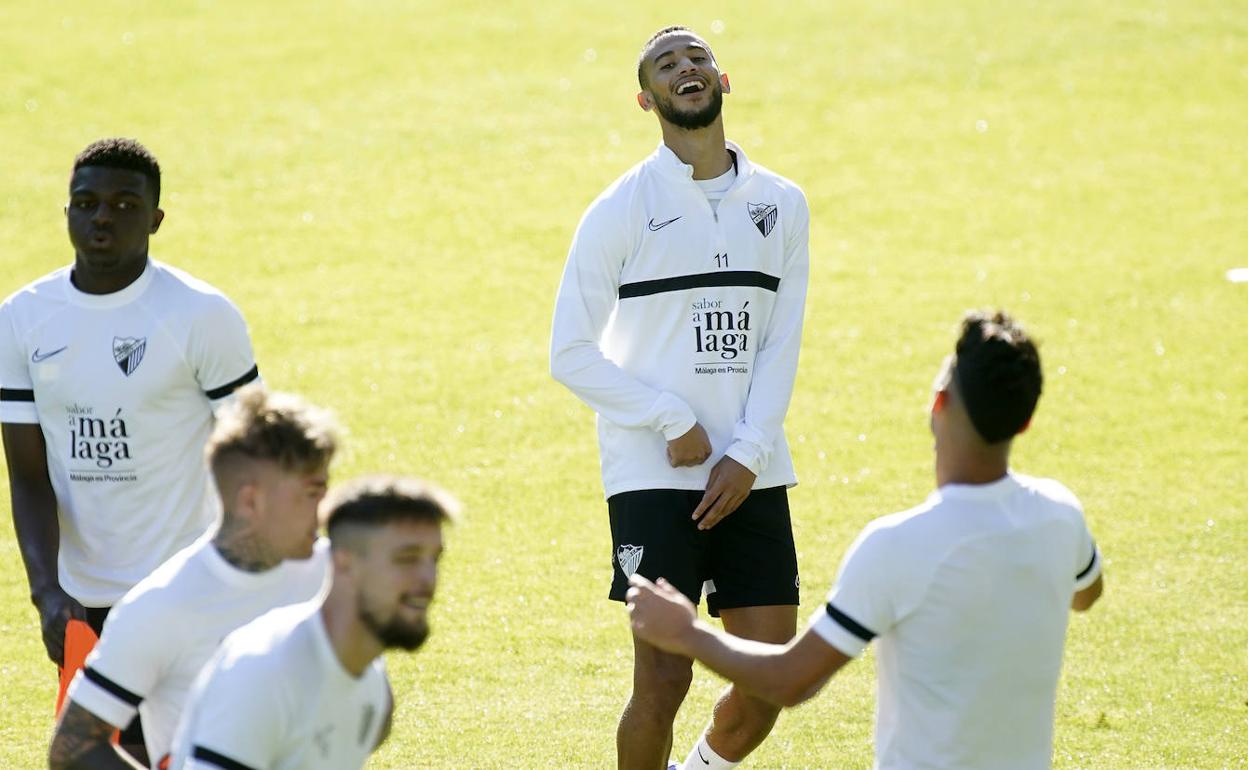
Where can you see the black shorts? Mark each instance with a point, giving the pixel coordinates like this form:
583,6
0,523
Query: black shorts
746,560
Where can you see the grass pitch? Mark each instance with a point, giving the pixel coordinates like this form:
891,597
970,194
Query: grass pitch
388,191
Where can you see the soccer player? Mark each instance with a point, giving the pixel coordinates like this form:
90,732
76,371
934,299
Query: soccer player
109,372
269,455
305,687
967,593
678,321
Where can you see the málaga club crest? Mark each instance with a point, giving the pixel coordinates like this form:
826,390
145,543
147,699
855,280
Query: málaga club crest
629,557
128,353
764,216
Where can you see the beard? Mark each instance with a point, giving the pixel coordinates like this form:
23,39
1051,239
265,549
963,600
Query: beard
394,633
691,121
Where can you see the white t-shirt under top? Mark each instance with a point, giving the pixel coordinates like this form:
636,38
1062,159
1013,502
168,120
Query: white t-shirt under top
123,386
276,697
715,189
167,627
969,595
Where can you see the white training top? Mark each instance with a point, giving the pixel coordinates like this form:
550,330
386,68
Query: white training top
123,386
168,626
969,594
671,313
276,697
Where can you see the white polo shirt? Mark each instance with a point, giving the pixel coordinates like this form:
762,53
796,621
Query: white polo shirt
158,638
123,386
969,596
276,697
672,311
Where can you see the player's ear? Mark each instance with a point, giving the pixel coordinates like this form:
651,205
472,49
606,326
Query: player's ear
723,81
940,401
644,101
158,216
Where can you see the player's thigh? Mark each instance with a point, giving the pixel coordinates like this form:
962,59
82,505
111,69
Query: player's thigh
751,555
653,534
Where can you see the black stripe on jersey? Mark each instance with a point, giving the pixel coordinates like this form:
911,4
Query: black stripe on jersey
13,394
851,625
718,278
220,760
230,387
114,689
1091,564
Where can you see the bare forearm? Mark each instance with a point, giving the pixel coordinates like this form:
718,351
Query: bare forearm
38,533
84,742
761,669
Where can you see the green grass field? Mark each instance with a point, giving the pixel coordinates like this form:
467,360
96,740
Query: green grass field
388,191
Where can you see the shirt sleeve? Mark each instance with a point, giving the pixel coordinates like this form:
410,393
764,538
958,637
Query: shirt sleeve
587,296
775,367
17,394
220,352
862,604
238,722
127,663
1088,560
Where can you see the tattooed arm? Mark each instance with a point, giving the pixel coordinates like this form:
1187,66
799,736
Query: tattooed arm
83,740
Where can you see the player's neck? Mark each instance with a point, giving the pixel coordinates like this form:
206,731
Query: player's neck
972,465
242,549
704,148
354,645
90,282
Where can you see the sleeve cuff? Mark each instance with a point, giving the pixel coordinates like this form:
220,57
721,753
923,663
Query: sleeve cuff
841,631
1091,572
17,405
100,702
673,418
747,455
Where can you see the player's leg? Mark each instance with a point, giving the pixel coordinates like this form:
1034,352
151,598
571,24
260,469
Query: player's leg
741,722
653,535
661,680
754,569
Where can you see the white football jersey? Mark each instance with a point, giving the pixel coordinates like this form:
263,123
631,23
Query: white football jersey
969,595
158,638
123,386
276,697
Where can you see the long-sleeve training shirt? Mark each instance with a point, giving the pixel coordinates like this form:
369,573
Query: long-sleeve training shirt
671,313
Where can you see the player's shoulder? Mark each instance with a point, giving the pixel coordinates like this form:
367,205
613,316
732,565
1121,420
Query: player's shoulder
777,183
1050,490
621,192
168,598
188,293
276,630
39,292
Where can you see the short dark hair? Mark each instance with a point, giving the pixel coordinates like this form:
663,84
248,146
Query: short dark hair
118,152
645,50
996,369
375,501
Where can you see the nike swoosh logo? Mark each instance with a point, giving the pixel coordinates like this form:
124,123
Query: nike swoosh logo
705,761
36,357
661,225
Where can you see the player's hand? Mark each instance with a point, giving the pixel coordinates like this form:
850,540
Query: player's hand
55,610
659,614
726,489
690,449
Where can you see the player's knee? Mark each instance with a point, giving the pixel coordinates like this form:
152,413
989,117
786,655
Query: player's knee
663,680
746,714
